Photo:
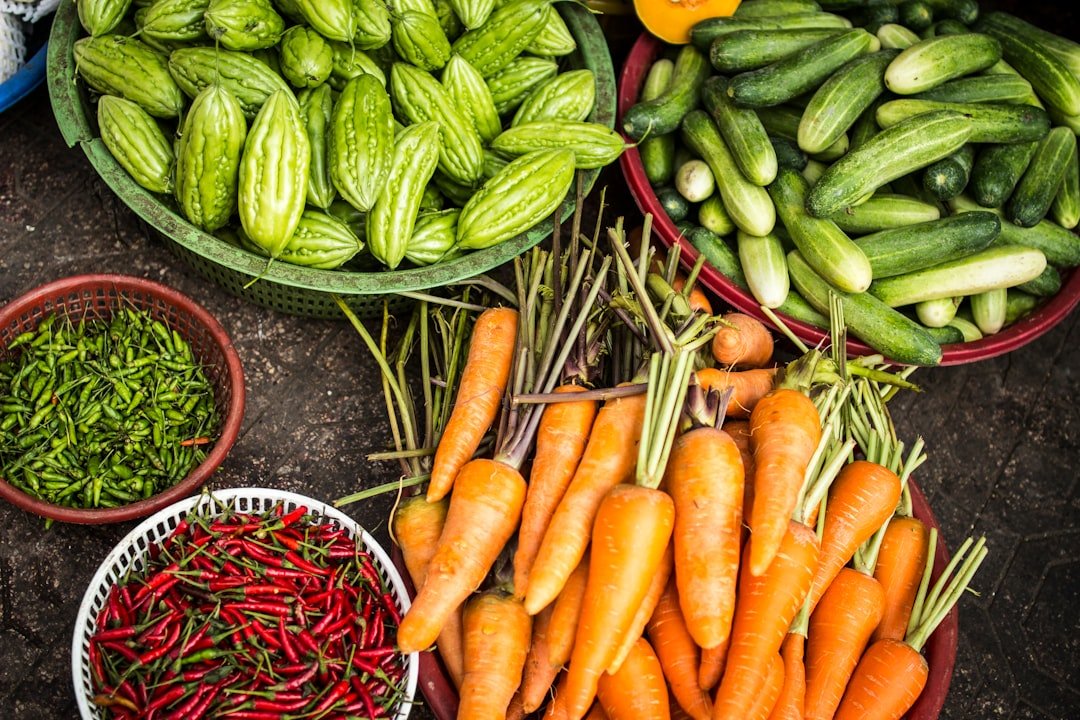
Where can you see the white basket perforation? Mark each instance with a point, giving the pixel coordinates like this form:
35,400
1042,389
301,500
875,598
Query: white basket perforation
131,553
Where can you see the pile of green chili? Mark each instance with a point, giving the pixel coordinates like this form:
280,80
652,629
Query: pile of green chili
101,413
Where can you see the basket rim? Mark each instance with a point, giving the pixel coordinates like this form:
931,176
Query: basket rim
229,495
232,420
72,117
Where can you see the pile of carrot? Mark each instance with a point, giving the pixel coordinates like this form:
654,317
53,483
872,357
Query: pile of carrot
697,530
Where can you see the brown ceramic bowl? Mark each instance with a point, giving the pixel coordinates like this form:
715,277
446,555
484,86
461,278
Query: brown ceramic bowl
96,296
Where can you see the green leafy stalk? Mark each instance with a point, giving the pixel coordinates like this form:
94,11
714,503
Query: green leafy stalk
934,604
669,377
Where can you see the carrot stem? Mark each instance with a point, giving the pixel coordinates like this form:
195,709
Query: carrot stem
436,300
954,580
380,489
780,325
597,394
658,332
669,377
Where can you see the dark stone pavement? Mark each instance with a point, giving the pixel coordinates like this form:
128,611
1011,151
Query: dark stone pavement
1003,438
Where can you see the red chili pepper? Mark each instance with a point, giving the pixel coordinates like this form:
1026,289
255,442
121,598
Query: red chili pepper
293,516
253,715
119,633
287,645
333,697
271,641
269,608
280,705
365,696
294,558
254,551
284,573
166,698
156,580
226,582
122,649
297,680
161,650
304,638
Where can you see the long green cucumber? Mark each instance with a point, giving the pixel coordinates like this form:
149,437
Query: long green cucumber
1036,190
893,35
934,61
1047,284
980,88
658,151
997,169
663,114
988,309
990,122
1068,51
744,50
916,247
948,177
783,121
1018,304
1066,206
764,265
884,211
838,103
742,131
945,335
1051,77
704,32
889,332
1060,246
772,8
719,254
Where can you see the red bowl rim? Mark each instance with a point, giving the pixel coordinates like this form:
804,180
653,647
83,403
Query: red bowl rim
1017,335
201,473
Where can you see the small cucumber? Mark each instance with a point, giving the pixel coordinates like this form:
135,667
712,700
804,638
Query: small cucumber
997,169
1070,121
673,203
764,265
814,170
934,61
1036,190
873,15
772,8
713,216
945,335
885,211
964,12
894,152
948,177
1047,72
1066,206
719,254
937,313
658,151
981,88
1060,246
742,131
988,309
999,266
915,14
824,245
664,113
1018,304
866,126
916,247
788,153
694,181
800,72
1048,283
947,26
1068,51
748,205
783,121
990,122
889,332
704,32
967,328
744,50
838,103
896,37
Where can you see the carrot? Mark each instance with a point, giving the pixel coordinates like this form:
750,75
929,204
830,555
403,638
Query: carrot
840,627
747,387
638,689
539,673
899,567
417,525
630,536
492,670
657,583
480,390
790,702
610,457
515,711
699,301
597,713
560,441
770,693
705,479
565,613
784,432
739,431
861,499
742,342
483,514
679,656
556,709
766,606
712,665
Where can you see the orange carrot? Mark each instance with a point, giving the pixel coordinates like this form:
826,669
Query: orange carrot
747,387
556,709
480,390
565,613
609,459
560,441
739,430
515,711
840,627
899,568
705,479
417,525
767,604
784,433
678,654
770,692
657,583
743,342
888,680
539,673
712,665
863,496
637,690
492,669
597,713
630,536
483,514
698,299
790,703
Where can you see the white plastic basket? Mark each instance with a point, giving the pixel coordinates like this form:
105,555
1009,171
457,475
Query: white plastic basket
132,553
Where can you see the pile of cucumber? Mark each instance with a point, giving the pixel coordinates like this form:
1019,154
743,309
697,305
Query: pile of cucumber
917,158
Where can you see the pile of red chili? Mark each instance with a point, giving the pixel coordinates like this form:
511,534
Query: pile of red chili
250,616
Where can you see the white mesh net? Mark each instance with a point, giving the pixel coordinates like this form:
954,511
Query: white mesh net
15,20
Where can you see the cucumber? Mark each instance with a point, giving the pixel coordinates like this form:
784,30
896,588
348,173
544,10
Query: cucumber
742,131
990,122
967,328
894,152
664,113
814,170
1048,74
658,151
896,36
948,26
748,205
934,61
1004,88
765,267
800,72
915,14
783,121
1066,206
962,11
788,153
889,332
999,266
719,254
704,32
1048,283
673,203
1060,246
883,212
873,15
945,335
713,216
988,309
937,313
996,171
821,242
1036,190
1018,304
1059,118
694,181
770,8
866,126
1068,51
796,306
744,50
916,247
948,177
838,103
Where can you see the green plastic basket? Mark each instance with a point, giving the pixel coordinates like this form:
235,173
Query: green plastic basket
289,288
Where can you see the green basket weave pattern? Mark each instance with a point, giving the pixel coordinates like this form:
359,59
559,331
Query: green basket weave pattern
290,288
